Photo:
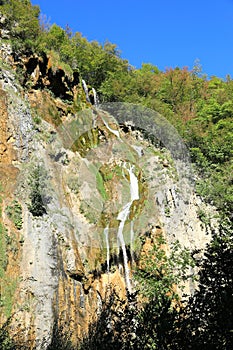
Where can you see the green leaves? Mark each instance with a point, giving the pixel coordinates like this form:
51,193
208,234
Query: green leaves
14,212
23,23
37,183
160,271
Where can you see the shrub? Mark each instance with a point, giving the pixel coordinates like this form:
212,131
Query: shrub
14,212
37,196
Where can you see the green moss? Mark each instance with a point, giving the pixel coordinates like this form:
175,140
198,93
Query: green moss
80,103
109,172
8,290
100,186
87,141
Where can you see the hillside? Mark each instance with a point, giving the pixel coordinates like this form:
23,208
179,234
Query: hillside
116,196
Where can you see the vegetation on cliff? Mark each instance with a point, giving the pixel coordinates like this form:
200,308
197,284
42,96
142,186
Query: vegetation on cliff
201,109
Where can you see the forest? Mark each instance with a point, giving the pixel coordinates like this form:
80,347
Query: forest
201,110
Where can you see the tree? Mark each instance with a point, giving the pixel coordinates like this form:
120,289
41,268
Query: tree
37,196
148,319
207,321
22,22
159,275
54,39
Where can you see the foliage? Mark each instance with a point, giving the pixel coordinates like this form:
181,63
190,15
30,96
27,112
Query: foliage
150,324
160,272
23,23
7,285
207,320
201,109
93,61
60,339
37,183
114,329
8,288
6,343
14,212
204,323
159,275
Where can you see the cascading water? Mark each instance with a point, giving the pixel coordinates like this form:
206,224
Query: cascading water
115,132
122,217
95,96
134,194
134,190
96,99
124,213
85,88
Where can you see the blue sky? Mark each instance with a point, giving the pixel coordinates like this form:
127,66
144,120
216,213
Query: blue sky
166,33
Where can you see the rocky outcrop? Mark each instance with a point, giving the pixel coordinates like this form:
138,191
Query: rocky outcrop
65,262
41,72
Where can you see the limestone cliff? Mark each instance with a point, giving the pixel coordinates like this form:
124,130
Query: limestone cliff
68,174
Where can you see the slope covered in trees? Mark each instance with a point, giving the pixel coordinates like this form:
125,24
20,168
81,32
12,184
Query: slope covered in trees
201,108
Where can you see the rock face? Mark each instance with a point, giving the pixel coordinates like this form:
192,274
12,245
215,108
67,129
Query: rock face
69,173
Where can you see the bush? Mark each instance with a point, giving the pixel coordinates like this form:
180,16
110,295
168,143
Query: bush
37,196
14,212
22,22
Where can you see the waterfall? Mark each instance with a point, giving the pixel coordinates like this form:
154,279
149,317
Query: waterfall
86,90
107,246
115,132
134,194
122,217
96,99
134,191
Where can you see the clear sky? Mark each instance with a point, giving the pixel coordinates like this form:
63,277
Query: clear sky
166,33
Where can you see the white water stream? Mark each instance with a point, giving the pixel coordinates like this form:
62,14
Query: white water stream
96,99
96,104
86,90
122,217
115,132
124,213
95,96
